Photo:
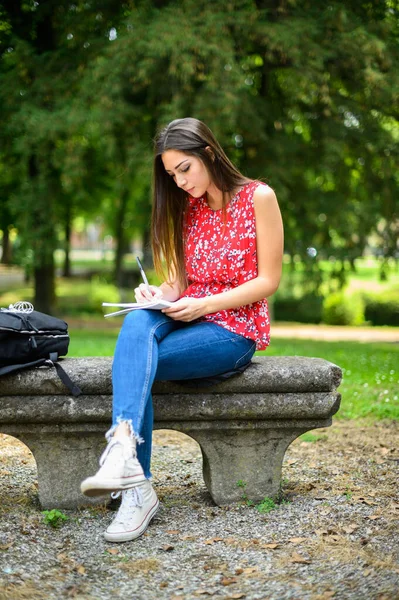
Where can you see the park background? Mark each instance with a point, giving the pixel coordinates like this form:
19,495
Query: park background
302,94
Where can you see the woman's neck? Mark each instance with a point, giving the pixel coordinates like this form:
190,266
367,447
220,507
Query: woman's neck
214,197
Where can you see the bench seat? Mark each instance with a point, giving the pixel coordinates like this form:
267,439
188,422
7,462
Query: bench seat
243,425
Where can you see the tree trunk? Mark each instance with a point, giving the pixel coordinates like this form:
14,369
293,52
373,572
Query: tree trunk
352,263
6,248
45,288
66,272
119,236
147,254
43,242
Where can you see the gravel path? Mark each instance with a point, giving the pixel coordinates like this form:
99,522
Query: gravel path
334,536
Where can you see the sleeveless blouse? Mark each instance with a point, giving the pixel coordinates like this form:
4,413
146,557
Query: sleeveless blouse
220,254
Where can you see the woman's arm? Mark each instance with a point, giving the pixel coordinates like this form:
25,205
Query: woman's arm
168,290
269,247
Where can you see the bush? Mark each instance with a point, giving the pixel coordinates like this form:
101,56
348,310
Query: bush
307,309
82,297
383,309
341,309
101,292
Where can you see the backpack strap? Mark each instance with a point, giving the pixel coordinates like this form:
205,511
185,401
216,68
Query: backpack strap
66,380
51,362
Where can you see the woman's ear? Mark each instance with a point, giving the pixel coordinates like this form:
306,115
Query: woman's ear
209,150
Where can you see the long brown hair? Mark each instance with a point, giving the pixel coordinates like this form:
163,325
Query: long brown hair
194,138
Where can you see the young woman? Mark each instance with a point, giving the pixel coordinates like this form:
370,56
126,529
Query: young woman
221,238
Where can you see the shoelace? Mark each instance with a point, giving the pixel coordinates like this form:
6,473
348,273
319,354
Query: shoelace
126,451
130,499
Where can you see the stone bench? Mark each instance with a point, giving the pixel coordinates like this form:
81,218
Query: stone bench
243,425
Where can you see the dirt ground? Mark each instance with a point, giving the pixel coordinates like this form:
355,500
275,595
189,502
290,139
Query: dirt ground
334,536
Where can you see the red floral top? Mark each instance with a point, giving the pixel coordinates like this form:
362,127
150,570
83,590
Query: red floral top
221,255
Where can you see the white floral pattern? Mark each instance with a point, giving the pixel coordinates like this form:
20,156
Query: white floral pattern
221,255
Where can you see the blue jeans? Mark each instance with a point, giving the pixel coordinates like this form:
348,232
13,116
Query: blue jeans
152,346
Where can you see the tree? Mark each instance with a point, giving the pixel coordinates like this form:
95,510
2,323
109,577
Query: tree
299,93
45,49
302,93
6,217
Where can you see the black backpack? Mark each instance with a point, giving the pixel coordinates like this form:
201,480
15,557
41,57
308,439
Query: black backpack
33,339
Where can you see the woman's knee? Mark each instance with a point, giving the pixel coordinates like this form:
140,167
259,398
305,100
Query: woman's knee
139,324
142,317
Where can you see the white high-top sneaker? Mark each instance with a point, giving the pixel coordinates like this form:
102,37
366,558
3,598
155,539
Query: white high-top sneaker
138,507
119,469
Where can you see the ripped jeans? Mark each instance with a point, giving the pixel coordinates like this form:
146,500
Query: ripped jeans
152,346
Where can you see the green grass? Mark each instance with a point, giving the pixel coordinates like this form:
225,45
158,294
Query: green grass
78,296
370,371
313,437
92,342
365,279
93,259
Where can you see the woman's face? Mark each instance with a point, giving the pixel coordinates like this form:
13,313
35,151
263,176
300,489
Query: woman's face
188,172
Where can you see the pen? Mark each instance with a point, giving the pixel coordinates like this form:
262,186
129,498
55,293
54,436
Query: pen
143,275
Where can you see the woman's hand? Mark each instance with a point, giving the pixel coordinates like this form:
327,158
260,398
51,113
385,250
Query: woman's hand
187,309
143,296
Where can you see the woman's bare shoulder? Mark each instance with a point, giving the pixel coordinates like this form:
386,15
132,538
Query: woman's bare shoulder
264,194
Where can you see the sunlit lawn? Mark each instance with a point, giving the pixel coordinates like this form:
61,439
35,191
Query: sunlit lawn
92,342
71,292
366,278
371,371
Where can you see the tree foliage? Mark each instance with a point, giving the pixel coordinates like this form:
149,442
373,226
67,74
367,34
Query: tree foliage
303,95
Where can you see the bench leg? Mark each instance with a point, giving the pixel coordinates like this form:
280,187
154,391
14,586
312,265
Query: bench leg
245,463
63,460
